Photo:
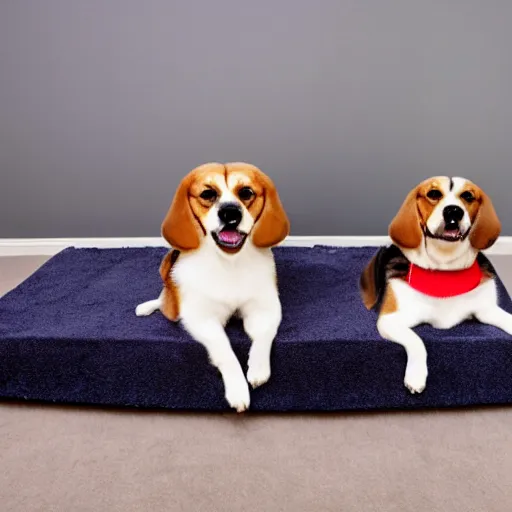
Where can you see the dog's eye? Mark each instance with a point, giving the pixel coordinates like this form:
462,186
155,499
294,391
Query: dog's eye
209,194
434,194
467,196
245,193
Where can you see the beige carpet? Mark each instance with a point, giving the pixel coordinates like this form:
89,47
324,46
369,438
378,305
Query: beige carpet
67,459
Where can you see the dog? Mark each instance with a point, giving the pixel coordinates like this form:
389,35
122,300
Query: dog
221,225
434,271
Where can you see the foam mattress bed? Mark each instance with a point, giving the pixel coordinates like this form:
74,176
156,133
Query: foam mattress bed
69,334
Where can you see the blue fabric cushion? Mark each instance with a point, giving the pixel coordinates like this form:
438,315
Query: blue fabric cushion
69,334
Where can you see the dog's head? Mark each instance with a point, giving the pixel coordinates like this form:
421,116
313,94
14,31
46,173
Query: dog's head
231,204
446,212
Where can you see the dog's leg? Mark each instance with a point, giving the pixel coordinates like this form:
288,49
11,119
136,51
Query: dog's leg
149,307
495,316
261,321
210,333
394,327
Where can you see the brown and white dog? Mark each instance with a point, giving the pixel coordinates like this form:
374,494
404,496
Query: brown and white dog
221,224
434,271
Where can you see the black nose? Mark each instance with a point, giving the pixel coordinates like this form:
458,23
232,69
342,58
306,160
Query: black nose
230,215
453,213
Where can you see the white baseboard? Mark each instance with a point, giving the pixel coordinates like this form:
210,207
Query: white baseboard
51,246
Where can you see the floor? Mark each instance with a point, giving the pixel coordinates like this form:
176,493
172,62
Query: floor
68,459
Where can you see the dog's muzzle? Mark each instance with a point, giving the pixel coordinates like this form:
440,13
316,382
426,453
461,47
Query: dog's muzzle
230,215
450,231
452,215
229,237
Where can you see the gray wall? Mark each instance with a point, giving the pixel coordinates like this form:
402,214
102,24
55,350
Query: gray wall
106,104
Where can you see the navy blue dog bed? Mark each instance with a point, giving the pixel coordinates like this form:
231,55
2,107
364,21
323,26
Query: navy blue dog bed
69,334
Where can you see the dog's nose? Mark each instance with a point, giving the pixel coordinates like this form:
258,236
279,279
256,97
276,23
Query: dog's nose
230,215
452,213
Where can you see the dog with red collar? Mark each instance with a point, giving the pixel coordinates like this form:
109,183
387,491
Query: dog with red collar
434,271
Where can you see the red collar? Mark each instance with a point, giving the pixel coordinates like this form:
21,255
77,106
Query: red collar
444,283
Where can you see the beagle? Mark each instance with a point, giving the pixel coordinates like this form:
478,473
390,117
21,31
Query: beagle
434,272
221,225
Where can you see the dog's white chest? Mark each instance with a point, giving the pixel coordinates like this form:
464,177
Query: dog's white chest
442,313
224,284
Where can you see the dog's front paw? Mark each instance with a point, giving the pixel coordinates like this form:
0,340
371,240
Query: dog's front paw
416,377
142,310
237,394
147,308
258,372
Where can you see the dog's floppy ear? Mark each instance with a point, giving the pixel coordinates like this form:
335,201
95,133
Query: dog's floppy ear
273,225
487,226
180,227
405,230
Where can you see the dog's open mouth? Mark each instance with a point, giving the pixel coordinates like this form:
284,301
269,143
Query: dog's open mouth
230,239
450,233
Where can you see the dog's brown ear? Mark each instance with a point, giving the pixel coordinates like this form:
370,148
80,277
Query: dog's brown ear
180,228
405,229
487,226
272,225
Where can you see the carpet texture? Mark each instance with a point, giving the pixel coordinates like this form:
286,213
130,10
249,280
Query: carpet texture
69,334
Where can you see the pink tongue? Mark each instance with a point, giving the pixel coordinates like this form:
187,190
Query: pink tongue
230,237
